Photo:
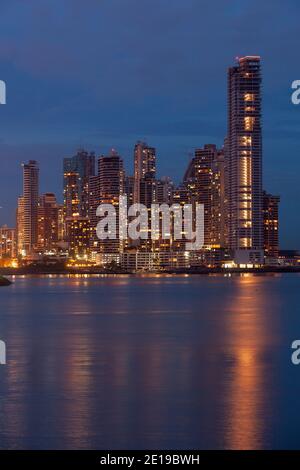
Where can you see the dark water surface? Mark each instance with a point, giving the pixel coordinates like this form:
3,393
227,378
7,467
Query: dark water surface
150,362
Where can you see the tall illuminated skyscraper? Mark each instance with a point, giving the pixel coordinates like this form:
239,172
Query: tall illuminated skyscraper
245,161
111,182
30,205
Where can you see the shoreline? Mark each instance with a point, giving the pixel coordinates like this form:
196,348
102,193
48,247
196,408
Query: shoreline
93,271
4,282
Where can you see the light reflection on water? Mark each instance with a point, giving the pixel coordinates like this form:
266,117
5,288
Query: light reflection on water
246,391
149,362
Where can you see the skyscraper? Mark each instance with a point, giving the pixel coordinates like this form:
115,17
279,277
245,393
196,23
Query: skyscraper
245,160
199,179
47,222
94,201
111,181
218,209
271,225
181,195
30,206
205,179
71,194
78,229
20,226
129,189
163,190
77,172
8,245
144,168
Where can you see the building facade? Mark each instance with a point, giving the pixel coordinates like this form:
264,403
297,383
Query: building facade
8,242
245,224
77,172
205,181
94,201
78,229
48,222
20,226
271,225
144,167
111,184
30,203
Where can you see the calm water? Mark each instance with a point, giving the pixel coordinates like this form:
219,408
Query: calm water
150,362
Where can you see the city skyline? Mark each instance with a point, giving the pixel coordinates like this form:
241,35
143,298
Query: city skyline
227,181
240,221
171,90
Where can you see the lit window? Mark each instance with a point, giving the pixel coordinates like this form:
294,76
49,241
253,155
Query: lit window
245,141
249,97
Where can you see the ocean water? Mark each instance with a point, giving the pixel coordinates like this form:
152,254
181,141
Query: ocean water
150,362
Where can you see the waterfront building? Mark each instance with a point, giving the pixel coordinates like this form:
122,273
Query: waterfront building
78,229
77,172
245,223
94,201
30,206
8,242
111,183
71,194
144,167
48,222
20,226
271,225
205,181
129,189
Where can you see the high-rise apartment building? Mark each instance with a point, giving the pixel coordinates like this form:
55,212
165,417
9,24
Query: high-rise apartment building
61,223
71,194
181,195
163,190
111,183
77,172
94,201
205,181
245,160
225,206
30,206
48,222
129,189
8,243
199,180
271,225
218,208
20,226
144,168
78,229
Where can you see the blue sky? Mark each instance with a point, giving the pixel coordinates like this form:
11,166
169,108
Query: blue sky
105,73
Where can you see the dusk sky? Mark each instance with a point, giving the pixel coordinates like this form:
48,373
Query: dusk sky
104,73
